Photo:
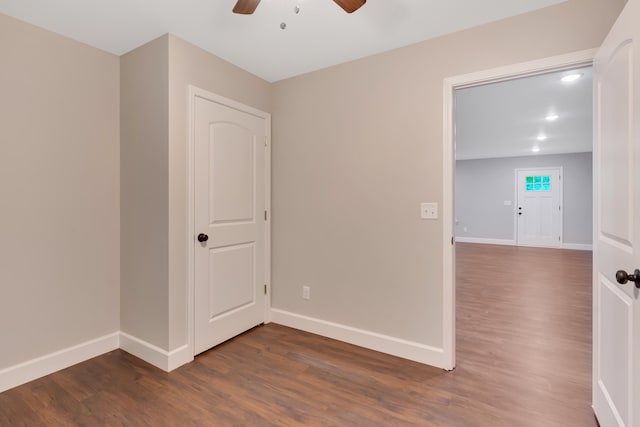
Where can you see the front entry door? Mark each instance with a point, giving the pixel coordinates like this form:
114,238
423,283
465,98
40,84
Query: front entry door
229,219
616,323
539,215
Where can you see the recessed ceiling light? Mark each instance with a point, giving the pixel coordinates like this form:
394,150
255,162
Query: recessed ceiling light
571,77
552,117
541,137
535,149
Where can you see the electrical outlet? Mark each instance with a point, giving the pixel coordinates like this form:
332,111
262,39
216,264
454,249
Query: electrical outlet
306,292
429,210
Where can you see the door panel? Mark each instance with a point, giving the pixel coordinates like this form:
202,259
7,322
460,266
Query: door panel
232,278
616,311
229,183
613,92
539,219
232,192
614,327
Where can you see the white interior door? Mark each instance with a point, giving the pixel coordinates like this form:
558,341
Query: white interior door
616,323
229,219
539,215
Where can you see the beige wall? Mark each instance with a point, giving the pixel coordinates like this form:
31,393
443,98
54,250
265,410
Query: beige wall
154,91
144,154
191,65
59,192
358,146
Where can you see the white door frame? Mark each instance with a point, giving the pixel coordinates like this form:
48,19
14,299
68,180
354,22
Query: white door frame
191,231
510,72
560,170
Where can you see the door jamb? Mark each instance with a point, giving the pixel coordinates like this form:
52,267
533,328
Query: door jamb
509,72
194,92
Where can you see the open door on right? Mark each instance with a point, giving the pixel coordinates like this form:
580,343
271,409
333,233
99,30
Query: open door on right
616,306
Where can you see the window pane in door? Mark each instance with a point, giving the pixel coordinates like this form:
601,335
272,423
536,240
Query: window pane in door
538,183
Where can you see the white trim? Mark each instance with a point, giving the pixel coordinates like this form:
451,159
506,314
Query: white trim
163,359
395,346
515,210
448,230
267,207
508,242
190,221
194,92
144,350
568,61
577,246
541,66
30,370
178,357
484,241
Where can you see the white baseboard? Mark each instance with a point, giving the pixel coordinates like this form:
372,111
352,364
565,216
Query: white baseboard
163,359
386,344
577,246
504,242
30,370
180,356
22,373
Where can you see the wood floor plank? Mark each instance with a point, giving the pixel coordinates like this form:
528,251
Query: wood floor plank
523,352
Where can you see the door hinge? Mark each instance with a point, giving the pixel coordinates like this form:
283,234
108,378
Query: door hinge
558,238
265,141
452,240
265,289
265,215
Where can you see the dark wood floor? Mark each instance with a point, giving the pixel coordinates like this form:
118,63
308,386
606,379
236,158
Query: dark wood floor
524,352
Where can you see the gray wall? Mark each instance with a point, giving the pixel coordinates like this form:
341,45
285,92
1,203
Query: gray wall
483,185
358,146
59,192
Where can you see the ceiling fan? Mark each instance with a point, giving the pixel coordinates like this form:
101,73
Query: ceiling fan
247,7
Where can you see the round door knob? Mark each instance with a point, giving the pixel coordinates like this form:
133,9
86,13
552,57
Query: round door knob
623,277
202,237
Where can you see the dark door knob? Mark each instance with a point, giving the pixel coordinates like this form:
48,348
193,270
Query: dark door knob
622,277
202,237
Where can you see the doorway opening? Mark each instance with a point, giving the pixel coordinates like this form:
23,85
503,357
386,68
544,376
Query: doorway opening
514,158
486,193
514,142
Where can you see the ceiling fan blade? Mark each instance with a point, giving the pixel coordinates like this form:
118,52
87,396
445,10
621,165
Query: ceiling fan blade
245,7
350,6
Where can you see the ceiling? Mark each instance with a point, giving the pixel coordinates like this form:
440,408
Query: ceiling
505,119
319,36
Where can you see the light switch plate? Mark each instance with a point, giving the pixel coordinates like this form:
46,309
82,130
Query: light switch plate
429,210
